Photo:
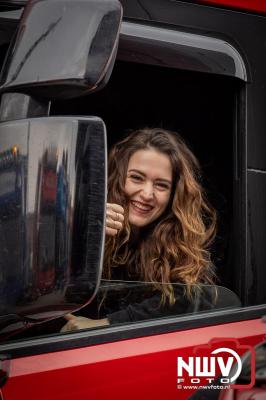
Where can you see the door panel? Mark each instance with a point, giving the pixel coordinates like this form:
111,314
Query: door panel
135,368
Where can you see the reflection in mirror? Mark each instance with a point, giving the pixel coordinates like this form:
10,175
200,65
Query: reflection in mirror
12,211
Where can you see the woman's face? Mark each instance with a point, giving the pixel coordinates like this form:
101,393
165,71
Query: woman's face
148,186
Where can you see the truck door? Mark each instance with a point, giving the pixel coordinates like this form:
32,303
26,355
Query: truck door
128,359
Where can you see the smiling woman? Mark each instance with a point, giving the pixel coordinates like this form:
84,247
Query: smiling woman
159,225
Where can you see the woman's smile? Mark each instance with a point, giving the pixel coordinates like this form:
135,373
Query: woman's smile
140,207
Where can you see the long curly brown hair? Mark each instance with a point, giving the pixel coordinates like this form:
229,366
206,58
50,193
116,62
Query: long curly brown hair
174,248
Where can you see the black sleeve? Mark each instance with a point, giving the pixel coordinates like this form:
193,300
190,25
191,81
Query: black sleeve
150,308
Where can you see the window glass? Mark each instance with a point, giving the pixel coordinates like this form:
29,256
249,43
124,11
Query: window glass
127,301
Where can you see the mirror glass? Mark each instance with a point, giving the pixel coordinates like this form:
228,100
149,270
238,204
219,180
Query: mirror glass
52,210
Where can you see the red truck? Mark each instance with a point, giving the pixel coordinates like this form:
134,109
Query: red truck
75,75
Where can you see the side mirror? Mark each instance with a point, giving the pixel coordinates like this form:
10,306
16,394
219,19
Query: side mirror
50,251
63,49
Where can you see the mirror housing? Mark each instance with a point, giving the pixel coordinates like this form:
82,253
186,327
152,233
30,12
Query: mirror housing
49,60
52,215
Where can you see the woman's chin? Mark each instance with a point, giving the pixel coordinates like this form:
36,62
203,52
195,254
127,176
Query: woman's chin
138,222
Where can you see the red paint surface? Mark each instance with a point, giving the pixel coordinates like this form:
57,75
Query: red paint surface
249,5
143,368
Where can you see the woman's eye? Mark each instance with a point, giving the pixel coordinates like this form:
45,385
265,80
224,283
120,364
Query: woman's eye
162,186
136,177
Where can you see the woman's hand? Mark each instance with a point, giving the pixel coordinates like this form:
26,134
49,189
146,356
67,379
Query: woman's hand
114,219
75,323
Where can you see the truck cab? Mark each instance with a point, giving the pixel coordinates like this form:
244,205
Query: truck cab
76,77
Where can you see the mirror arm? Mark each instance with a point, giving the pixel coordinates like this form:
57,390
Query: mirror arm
20,106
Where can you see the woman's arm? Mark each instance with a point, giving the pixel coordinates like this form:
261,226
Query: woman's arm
75,323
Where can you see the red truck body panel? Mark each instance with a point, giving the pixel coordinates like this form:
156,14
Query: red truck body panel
249,5
136,368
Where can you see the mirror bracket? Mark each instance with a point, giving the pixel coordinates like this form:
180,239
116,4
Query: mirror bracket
20,106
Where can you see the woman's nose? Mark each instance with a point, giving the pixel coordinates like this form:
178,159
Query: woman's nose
147,191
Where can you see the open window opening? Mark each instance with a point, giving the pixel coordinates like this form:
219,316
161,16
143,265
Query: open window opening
202,108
